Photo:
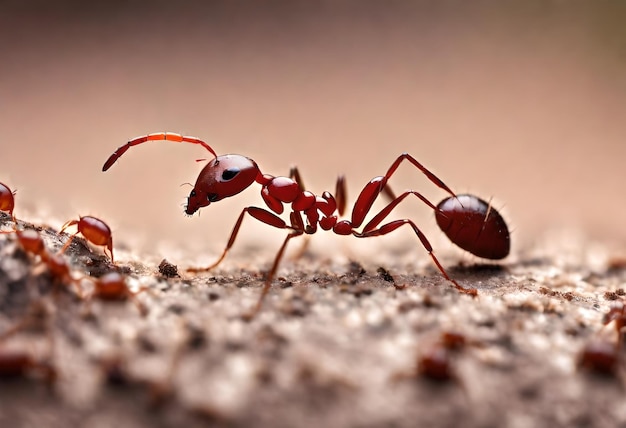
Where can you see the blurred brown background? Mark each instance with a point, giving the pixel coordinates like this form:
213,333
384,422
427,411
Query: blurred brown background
522,101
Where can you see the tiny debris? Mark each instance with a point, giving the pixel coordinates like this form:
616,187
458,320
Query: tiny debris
356,290
168,269
196,336
611,295
213,295
408,305
385,275
548,292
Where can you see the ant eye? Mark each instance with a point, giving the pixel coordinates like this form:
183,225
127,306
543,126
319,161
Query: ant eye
212,197
230,173
193,193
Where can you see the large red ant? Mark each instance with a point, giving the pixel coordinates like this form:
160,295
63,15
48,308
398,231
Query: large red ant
467,220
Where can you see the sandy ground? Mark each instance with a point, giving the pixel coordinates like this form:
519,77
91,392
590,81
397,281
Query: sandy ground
336,344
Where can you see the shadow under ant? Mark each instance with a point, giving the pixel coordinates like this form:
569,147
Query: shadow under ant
477,269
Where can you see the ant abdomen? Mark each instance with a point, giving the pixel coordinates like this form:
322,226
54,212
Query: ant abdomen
474,225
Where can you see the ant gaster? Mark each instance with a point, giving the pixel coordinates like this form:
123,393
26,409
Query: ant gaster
7,200
467,220
93,230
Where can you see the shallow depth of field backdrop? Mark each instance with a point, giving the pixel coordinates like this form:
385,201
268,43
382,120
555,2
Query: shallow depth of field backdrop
524,102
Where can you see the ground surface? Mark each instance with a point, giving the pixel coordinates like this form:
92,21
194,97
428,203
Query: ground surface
336,344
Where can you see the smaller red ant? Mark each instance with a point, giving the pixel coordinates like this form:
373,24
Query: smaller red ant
113,287
21,364
467,220
7,200
436,364
17,363
32,242
617,314
437,361
93,230
600,356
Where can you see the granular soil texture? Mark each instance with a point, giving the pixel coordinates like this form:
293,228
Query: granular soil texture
335,345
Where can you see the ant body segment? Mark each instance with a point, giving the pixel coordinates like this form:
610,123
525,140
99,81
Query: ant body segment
617,314
600,356
112,287
21,364
93,230
468,221
7,200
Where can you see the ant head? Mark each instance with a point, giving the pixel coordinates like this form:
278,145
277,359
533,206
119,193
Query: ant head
221,178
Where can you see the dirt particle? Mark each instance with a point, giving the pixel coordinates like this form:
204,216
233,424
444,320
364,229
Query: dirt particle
168,269
385,275
408,306
548,292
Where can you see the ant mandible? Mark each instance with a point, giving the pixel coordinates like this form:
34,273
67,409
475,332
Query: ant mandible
468,221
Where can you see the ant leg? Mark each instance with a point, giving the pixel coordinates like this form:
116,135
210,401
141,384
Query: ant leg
258,213
432,177
160,136
294,174
341,194
71,238
270,276
385,211
378,185
390,227
109,246
68,242
389,193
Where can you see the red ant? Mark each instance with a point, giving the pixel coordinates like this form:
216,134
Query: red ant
437,362
20,363
7,200
112,287
616,314
468,221
93,230
600,356
32,242
17,363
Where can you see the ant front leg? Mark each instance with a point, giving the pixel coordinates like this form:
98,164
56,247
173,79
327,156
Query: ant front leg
297,229
260,214
390,227
270,276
